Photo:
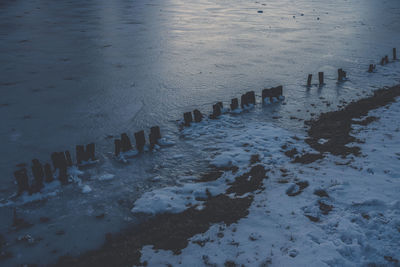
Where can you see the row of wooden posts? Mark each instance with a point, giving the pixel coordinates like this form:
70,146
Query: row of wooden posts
384,61
84,154
124,143
62,160
246,100
45,173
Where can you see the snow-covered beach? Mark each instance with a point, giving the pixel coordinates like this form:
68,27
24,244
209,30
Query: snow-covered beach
264,209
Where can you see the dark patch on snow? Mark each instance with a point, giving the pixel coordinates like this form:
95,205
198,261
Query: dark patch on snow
321,193
291,153
308,158
312,218
325,208
173,231
335,126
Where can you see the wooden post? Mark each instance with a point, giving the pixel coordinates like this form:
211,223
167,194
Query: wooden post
117,146
62,175
154,135
216,111
382,61
394,54
279,91
38,174
266,93
125,142
220,104
251,97
22,180
197,115
340,74
309,78
187,116
321,78
243,101
48,173
68,157
234,103
371,68
141,140
386,59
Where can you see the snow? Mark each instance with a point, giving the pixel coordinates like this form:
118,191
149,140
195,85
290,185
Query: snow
362,227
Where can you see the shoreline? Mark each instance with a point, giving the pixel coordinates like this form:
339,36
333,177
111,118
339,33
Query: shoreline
172,231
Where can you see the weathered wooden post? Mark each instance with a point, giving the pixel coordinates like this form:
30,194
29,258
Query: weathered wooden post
38,174
154,136
321,78
220,104
309,78
386,59
243,101
125,143
197,115
187,116
234,103
48,174
371,68
341,75
382,61
117,146
216,111
279,91
251,97
394,54
68,158
141,140
62,175
80,154
90,151
22,180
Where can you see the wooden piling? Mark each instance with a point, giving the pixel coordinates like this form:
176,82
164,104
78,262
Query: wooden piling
38,173
321,78
22,180
141,140
197,115
125,143
62,175
309,78
216,111
386,59
154,135
394,54
234,103
48,174
187,116
68,158
243,101
371,68
382,61
251,97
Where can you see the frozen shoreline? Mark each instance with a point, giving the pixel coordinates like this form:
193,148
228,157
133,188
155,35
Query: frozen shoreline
327,213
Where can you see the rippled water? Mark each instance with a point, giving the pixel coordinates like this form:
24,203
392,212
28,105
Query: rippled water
77,71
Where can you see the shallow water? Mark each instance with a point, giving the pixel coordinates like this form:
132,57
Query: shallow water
75,72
